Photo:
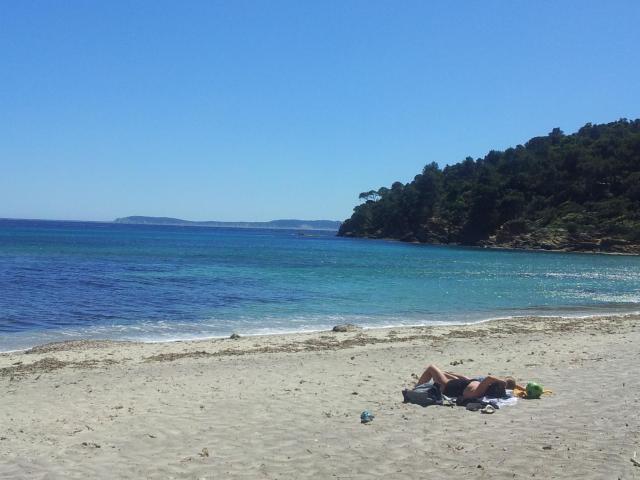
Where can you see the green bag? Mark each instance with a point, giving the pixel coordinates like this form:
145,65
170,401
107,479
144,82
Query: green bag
534,390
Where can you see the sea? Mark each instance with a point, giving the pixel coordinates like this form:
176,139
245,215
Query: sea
88,280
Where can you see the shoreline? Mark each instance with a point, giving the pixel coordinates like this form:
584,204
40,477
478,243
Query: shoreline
492,247
364,328
288,406
295,342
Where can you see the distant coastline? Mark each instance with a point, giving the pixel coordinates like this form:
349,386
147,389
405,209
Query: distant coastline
293,224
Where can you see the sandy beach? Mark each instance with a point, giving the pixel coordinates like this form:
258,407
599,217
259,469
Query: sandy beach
288,406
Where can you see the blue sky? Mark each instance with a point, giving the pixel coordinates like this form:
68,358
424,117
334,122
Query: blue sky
255,110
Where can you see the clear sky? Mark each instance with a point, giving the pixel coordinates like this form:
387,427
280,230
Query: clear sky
256,110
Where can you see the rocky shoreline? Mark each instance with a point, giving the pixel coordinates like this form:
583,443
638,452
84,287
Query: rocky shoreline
544,240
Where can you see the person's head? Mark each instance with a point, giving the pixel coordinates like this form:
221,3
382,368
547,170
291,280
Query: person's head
510,383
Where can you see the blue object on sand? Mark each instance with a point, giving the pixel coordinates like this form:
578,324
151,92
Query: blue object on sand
366,416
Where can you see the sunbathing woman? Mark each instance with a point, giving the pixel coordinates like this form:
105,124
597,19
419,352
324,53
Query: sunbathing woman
454,385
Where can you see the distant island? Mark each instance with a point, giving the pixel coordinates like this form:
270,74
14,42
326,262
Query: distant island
578,192
331,225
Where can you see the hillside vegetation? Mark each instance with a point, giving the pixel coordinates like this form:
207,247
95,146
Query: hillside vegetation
578,192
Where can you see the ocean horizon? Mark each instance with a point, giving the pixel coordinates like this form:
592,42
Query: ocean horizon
63,280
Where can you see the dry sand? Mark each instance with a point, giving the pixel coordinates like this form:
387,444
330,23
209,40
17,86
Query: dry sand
288,406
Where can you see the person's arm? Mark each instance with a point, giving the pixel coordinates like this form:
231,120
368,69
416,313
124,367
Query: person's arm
456,376
484,385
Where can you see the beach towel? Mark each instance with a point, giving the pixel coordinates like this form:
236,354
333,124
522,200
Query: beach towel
496,402
427,394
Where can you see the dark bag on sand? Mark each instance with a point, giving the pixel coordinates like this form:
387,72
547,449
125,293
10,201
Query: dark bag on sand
425,394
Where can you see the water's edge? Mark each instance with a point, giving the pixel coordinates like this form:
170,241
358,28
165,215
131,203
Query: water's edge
364,328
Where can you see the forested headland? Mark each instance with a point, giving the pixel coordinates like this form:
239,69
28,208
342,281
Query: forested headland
578,192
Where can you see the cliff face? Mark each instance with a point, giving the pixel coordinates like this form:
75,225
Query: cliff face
559,239
552,239
578,192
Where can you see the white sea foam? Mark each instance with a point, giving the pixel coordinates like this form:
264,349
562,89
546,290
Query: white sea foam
166,334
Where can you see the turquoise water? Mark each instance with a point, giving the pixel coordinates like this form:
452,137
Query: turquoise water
69,280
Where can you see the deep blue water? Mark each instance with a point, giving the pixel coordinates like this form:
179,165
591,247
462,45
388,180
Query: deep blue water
68,280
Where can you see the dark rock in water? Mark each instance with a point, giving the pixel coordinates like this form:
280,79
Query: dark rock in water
409,238
234,336
347,327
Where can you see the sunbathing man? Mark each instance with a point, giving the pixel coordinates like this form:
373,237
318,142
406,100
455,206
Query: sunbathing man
455,385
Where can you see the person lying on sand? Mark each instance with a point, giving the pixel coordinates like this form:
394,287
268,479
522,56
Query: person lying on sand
455,385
